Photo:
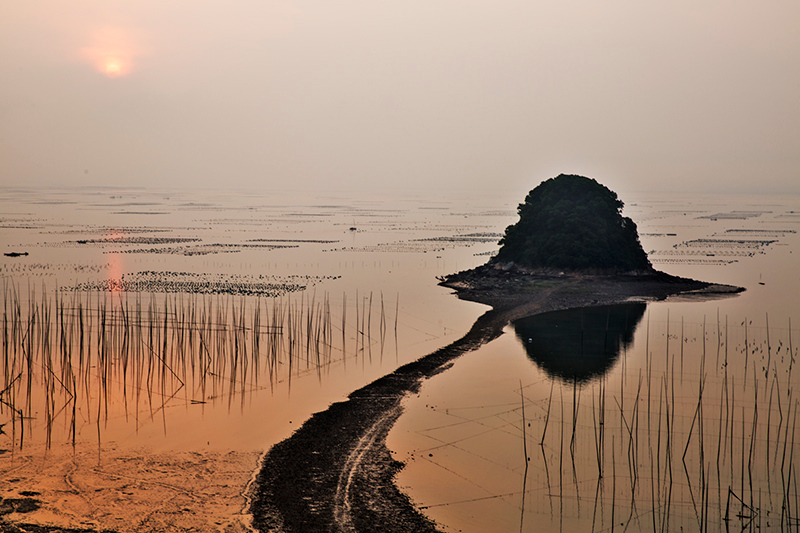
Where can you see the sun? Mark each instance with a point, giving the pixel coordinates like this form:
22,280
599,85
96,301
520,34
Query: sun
113,68
113,51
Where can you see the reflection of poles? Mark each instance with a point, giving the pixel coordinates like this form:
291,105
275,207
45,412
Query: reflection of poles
670,423
769,352
575,399
597,500
524,432
599,427
791,351
549,487
719,342
382,326
746,350
396,315
143,348
369,327
344,328
574,419
667,350
547,417
355,354
613,483
524,489
525,452
682,339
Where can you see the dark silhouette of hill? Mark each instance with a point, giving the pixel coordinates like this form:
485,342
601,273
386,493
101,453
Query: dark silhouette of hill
578,345
573,223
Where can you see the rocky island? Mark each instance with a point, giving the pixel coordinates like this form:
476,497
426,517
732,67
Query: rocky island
571,231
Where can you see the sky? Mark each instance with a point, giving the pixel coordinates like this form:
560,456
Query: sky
687,95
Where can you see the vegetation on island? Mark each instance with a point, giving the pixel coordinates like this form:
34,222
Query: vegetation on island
573,223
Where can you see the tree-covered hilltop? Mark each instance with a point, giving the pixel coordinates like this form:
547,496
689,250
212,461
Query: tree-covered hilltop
573,223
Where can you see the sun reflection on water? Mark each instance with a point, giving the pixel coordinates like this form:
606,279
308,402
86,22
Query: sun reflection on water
115,265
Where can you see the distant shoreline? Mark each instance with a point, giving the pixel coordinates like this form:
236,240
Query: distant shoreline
335,472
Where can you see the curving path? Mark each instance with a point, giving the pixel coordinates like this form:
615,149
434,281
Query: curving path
335,474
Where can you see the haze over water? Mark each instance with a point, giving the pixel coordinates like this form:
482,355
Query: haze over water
353,95
305,171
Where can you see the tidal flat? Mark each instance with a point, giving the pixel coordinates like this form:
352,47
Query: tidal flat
150,362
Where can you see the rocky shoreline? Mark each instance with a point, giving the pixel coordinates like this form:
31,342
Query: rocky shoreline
504,287
335,473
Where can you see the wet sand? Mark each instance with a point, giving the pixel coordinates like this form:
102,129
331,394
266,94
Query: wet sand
335,473
124,490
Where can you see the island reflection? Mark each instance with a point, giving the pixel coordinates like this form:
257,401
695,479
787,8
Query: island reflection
578,345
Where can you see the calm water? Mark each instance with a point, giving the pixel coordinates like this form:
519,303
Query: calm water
648,416
363,269
222,321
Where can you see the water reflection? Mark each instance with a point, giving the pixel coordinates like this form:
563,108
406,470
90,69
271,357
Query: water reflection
578,345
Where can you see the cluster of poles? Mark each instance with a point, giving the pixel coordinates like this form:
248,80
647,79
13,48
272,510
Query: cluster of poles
698,441
71,359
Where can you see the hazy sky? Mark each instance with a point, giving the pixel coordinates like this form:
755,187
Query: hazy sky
687,94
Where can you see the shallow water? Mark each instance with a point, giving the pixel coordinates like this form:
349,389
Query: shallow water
303,299
207,322
689,420
368,260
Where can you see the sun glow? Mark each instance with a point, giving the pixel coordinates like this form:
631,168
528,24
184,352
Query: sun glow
113,52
